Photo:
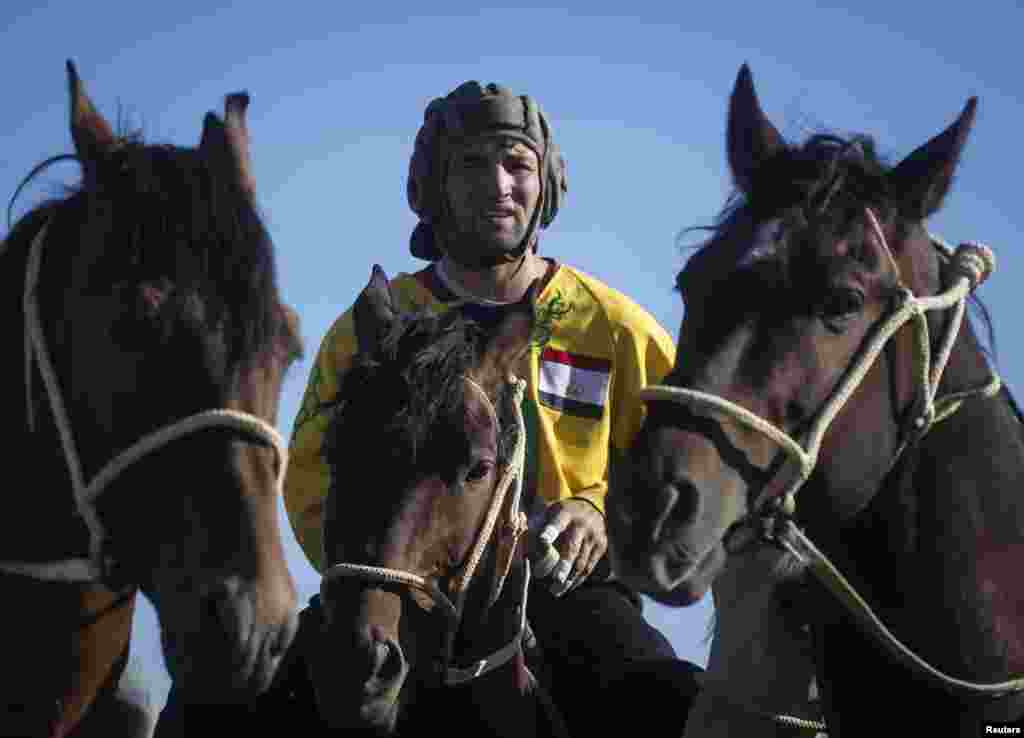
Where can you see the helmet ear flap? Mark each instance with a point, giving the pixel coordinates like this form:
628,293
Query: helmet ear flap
555,181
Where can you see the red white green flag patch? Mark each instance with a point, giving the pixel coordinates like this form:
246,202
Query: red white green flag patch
573,383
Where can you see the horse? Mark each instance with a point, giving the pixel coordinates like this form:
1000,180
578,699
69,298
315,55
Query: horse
824,351
420,622
424,596
760,677
142,416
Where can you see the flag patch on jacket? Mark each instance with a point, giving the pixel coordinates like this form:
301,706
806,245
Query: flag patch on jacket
573,383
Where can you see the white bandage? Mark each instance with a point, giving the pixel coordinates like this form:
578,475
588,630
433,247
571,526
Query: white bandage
547,563
549,534
561,572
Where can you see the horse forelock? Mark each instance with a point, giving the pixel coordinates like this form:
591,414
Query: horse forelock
158,212
416,381
826,177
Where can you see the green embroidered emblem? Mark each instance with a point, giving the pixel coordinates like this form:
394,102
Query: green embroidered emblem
548,314
311,399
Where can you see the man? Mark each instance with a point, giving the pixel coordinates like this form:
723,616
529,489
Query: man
485,178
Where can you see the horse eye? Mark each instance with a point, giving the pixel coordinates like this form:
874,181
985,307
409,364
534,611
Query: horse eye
840,306
479,470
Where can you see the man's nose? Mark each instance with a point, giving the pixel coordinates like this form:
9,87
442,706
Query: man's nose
499,181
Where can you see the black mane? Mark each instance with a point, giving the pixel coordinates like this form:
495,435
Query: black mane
824,182
827,173
412,390
158,213
163,214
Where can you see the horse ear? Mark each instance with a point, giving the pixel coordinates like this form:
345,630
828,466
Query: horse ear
230,139
91,133
920,182
374,311
511,337
235,106
750,136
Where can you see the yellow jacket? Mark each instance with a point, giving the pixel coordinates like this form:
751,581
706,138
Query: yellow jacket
598,348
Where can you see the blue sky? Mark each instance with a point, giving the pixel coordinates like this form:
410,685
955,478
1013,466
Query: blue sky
637,96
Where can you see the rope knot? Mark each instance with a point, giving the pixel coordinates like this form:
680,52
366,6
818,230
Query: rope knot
975,261
518,387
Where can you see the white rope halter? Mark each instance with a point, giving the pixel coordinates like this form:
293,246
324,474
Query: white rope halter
94,567
971,264
516,524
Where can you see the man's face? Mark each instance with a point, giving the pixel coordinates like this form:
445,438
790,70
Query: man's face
493,187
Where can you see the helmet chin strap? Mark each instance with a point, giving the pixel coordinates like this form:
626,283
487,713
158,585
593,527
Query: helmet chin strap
457,289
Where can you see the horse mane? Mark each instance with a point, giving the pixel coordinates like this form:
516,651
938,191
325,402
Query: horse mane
828,178
163,212
414,380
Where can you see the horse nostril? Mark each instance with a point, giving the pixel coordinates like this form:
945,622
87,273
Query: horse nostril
384,663
285,635
378,653
676,502
664,501
225,605
393,665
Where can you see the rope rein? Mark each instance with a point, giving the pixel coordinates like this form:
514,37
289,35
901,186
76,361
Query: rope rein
516,526
95,567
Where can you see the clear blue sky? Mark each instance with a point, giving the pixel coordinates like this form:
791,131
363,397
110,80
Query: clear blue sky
637,96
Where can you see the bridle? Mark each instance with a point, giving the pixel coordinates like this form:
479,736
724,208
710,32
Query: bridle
515,525
970,265
99,566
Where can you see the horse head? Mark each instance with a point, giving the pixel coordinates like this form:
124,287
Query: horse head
800,351
424,502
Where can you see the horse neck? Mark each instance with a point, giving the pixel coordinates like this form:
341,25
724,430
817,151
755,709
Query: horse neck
61,641
970,525
64,645
760,662
937,553
486,628
44,497
495,703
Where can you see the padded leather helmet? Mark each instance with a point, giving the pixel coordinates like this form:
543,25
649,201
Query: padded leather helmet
471,110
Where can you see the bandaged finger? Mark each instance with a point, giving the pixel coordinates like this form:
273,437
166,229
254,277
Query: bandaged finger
547,562
562,570
549,534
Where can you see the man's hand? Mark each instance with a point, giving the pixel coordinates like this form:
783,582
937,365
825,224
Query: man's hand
575,529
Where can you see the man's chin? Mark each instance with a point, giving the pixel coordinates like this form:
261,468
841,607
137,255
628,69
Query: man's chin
477,253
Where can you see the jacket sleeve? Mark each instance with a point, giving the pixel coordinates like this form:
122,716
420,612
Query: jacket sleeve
307,480
644,355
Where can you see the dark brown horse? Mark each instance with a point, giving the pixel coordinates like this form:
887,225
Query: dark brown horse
424,596
822,351
146,347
